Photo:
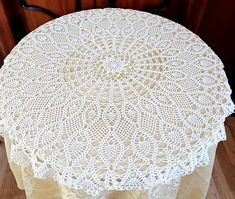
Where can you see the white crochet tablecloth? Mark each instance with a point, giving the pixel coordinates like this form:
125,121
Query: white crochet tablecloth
113,99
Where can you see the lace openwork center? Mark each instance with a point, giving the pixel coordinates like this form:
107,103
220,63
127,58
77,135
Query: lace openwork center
134,65
114,65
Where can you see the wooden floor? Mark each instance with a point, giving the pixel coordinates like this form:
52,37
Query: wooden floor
222,184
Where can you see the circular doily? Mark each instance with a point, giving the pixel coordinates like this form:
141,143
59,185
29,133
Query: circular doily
113,99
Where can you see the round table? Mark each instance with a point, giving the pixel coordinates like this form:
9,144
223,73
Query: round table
113,101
